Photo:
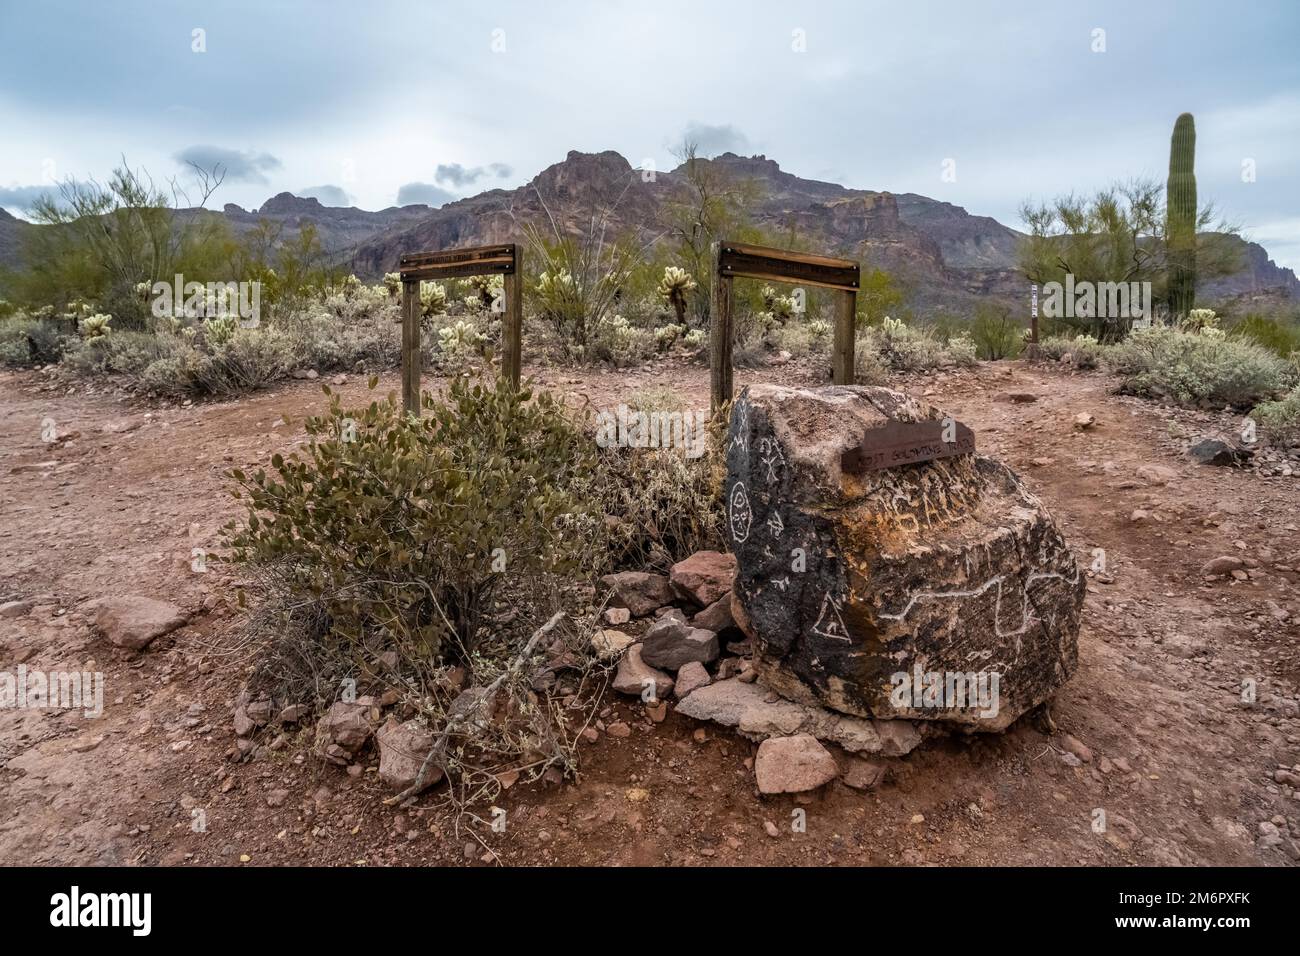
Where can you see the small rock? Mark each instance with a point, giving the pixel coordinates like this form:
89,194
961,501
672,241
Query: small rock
133,622
1223,565
619,729
1211,451
617,615
276,798
640,592
15,608
669,644
704,577
691,676
609,645
864,774
716,617
402,749
634,676
1084,420
793,765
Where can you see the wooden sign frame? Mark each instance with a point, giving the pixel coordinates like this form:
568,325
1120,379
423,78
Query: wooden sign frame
500,259
733,260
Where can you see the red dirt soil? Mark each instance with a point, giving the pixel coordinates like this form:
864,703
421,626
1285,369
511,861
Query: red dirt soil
1181,766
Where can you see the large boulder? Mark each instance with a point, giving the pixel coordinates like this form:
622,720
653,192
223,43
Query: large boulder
887,593
640,592
704,577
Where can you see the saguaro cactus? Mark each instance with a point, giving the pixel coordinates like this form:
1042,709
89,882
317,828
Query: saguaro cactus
1180,203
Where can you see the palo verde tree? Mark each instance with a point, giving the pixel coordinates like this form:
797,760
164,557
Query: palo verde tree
1118,235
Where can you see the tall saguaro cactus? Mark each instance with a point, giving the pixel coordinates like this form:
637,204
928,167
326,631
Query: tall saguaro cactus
1180,203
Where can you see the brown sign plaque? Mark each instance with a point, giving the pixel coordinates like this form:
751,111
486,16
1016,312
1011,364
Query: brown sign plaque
738,259
458,263
907,443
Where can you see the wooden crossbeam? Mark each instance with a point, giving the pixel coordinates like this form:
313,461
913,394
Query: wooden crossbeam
415,267
739,260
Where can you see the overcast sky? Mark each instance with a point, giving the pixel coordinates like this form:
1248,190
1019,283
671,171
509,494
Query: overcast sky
366,103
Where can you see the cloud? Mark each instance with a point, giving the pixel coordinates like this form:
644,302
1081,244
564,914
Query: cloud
327,194
243,166
711,140
22,197
430,195
461,176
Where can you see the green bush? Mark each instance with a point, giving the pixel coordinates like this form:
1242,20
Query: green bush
904,348
996,335
26,341
661,505
412,528
1281,419
1279,337
1082,351
1192,369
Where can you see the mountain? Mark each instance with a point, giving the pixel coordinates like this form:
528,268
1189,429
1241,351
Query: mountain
11,237
940,253
340,228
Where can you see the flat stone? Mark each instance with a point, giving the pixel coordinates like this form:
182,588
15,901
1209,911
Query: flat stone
793,765
609,645
15,608
1223,565
1212,451
133,622
669,644
758,712
617,615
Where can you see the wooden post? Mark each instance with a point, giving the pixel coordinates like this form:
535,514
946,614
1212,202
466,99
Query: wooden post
512,324
846,319
411,346
719,337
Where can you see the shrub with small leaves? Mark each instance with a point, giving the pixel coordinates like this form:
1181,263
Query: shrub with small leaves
1198,369
1280,420
413,529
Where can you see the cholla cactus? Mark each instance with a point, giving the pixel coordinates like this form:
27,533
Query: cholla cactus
459,343
487,288
351,285
675,285
220,331
1200,321
666,336
780,306
393,283
144,290
819,329
433,298
893,326
1213,332
96,326
694,338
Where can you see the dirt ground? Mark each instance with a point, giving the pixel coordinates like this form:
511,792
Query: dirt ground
1182,767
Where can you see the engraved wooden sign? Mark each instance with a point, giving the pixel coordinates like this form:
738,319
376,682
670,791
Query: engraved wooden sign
737,259
501,259
907,443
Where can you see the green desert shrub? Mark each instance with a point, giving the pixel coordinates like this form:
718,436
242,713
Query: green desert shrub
1280,419
412,529
996,335
25,341
662,504
1205,369
902,347
1081,351
1278,336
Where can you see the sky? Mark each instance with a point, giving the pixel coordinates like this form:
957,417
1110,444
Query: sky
376,103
